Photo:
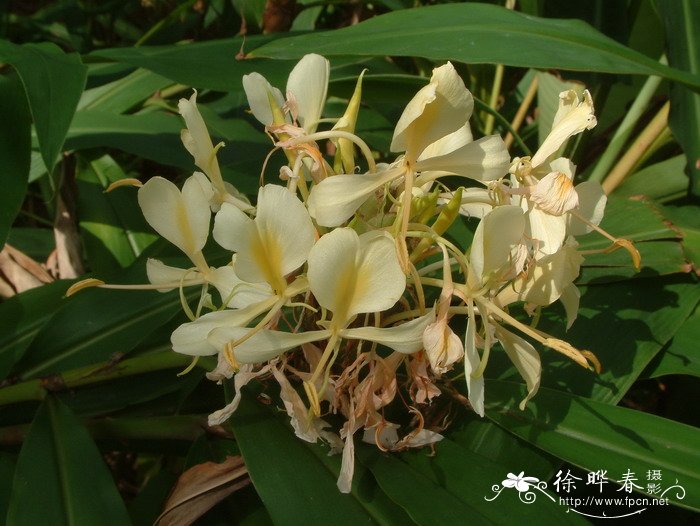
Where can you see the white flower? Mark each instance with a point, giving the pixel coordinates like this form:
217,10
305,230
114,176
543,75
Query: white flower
306,92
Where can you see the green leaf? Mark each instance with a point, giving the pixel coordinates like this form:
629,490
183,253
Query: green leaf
22,316
213,65
595,435
53,82
687,220
625,325
60,459
114,232
15,151
682,22
97,324
7,472
682,355
123,94
663,181
478,33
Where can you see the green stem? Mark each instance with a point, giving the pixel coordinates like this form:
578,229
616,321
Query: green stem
619,139
493,101
178,427
37,389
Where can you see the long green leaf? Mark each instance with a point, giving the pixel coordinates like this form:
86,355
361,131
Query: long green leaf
53,82
682,22
22,316
15,151
594,435
682,355
478,33
60,460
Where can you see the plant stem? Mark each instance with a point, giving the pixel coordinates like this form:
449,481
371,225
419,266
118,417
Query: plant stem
637,150
37,389
522,110
177,427
639,106
493,100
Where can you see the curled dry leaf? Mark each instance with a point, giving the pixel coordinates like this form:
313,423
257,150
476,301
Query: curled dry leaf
200,488
19,272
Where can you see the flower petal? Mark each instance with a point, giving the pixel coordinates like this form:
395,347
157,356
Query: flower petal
160,273
591,205
495,239
525,358
438,109
350,274
548,230
284,226
569,298
549,276
483,160
572,117
406,338
308,82
239,293
196,137
257,90
335,199
181,218
555,194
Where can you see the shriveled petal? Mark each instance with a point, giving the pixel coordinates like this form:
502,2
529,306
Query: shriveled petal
484,160
475,386
442,346
181,218
548,230
347,465
438,109
350,274
591,205
495,239
257,90
406,338
555,194
525,358
236,292
296,410
335,199
196,137
264,344
308,82
242,377
572,117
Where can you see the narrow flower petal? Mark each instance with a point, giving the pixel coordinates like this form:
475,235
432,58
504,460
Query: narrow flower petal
158,272
296,410
484,160
570,298
308,82
196,137
406,338
336,199
264,344
257,90
525,358
475,386
181,218
240,379
572,117
546,231
237,292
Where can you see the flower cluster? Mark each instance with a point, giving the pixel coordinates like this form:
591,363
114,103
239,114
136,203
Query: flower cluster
328,290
